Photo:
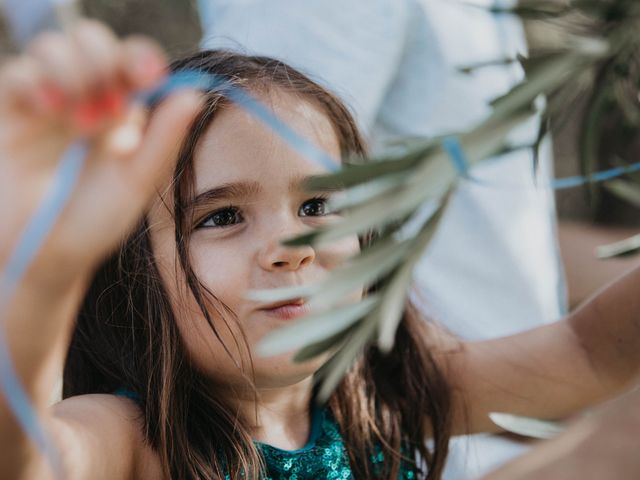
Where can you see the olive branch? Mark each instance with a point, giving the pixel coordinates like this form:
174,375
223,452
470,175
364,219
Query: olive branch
402,197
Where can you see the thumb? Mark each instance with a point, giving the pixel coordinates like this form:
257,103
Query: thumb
168,127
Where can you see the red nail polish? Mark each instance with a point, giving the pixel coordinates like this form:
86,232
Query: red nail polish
86,115
111,103
51,97
151,68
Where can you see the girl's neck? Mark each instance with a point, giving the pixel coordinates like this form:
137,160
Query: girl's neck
280,416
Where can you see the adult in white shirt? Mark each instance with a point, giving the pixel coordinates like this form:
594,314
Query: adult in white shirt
493,268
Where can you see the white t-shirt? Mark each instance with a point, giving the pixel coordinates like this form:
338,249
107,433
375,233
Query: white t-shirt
493,267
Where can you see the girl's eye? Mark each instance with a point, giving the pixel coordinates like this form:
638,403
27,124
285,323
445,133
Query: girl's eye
225,217
316,207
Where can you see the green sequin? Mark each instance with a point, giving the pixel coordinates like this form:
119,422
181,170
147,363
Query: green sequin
324,457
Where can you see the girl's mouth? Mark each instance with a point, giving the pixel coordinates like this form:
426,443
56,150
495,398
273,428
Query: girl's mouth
287,310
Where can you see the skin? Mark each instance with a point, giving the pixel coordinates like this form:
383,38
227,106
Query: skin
602,445
548,372
586,273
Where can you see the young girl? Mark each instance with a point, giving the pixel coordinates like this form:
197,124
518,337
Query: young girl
161,379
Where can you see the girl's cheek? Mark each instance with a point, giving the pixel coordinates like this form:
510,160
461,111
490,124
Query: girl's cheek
337,253
223,270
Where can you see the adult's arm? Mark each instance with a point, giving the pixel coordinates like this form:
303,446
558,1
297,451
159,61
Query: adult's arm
585,273
552,371
602,445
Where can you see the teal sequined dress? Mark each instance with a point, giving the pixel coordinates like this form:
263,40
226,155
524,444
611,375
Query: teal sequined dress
324,456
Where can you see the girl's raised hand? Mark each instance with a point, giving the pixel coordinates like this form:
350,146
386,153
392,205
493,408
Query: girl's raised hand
79,87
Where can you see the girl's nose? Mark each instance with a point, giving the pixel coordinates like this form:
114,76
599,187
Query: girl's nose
277,257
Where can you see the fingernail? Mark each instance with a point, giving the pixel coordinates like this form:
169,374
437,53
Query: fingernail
125,139
111,103
86,115
50,98
150,68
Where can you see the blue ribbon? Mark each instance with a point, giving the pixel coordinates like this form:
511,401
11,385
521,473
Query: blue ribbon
452,146
603,176
29,243
210,82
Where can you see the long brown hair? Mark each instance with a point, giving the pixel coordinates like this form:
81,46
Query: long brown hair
126,335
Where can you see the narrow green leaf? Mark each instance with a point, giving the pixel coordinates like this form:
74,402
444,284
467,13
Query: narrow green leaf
351,176
315,327
498,62
361,272
392,307
626,190
630,246
281,294
366,192
358,272
489,137
533,9
330,344
590,136
631,177
379,211
626,99
547,77
382,210
334,370
526,426
431,179
394,295
543,131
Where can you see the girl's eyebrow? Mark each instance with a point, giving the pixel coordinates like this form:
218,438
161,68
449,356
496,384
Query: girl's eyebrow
234,190
225,191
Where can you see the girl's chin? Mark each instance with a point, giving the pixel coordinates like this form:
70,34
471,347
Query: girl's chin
282,370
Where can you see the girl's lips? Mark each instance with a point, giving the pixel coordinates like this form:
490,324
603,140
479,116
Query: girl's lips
287,311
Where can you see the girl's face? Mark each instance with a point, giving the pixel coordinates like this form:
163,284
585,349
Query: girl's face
248,198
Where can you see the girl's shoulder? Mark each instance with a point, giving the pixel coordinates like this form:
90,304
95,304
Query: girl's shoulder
103,433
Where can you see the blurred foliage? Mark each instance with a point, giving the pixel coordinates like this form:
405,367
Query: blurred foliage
597,57
598,119
173,23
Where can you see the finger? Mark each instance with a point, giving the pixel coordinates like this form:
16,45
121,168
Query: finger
22,87
144,63
105,96
115,70
164,137
124,139
60,64
99,55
